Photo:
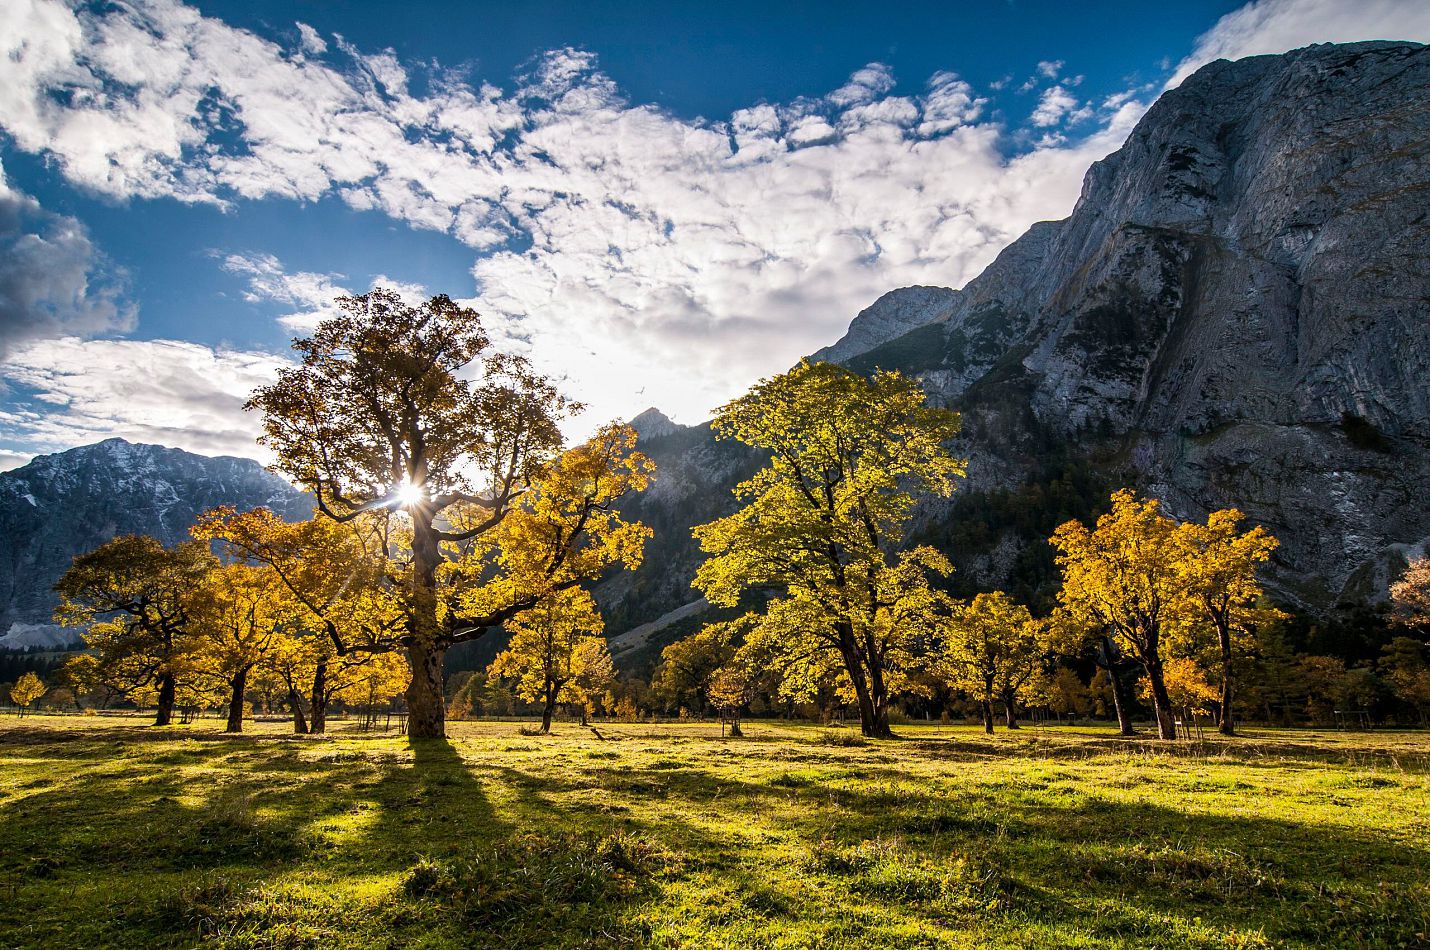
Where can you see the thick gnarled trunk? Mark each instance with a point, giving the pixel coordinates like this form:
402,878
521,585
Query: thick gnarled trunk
988,716
426,650
548,709
295,703
426,706
1010,709
237,687
165,714
869,689
1109,658
1161,702
1122,702
318,703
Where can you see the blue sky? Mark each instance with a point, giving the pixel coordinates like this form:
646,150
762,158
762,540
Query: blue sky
659,203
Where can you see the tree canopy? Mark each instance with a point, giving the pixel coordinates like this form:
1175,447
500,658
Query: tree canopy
133,594
823,523
401,410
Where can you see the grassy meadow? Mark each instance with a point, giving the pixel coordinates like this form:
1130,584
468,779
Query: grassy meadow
114,834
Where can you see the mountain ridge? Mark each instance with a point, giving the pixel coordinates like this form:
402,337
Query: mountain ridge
66,503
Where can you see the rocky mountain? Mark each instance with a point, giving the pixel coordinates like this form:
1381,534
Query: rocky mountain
652,424
1236,313
68,503
890,317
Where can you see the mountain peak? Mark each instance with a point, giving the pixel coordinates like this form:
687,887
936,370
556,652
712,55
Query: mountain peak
652,424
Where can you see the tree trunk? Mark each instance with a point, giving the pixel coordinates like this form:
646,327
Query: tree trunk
237,686
735,732
879,699
854,666
1226,724
548,709
1161,702
165,714
583,715
988,716
318,704
1010,710
426,706
869,690
426,650
300,725
1122,701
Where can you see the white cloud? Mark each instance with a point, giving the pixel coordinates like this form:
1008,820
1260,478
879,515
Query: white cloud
1055,103
1051,68
53,281
161,391
660,260
1277,26
314,294
312,42
950,102
10,460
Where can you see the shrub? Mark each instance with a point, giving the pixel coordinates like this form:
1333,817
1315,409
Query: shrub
521,875
840,737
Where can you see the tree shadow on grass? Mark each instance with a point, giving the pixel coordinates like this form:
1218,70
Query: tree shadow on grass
1114,870
296,843
306,843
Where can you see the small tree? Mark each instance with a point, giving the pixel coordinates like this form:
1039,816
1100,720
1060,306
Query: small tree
85,676
134,594
61,698
1217,574
1188,685
28,688
1064,692
1124,575
1410,596
1405,664
547,647
376,683
990,648
730,689
626,709
823,524
686,666
237,616
595,671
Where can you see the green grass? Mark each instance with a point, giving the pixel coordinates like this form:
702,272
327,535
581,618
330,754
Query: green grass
113,834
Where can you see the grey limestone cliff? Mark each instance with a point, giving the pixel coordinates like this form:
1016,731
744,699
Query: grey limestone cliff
1241,298
1236,313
